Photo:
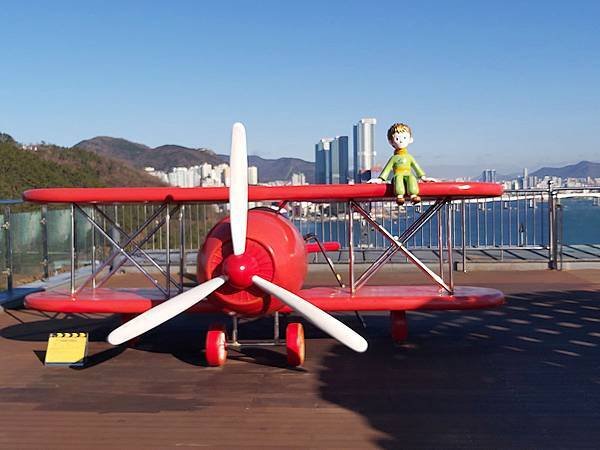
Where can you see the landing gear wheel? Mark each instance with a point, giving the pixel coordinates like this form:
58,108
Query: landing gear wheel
294,344
215,347
399,326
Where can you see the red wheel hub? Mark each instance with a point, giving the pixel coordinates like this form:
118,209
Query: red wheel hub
240,269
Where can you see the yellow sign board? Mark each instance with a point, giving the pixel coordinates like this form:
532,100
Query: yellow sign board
67,349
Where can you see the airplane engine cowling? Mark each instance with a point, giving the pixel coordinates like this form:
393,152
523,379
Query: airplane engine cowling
275,251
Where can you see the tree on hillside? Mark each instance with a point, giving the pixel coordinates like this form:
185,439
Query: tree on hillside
6,139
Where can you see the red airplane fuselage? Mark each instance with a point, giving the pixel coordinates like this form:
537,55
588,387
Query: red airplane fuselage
274,251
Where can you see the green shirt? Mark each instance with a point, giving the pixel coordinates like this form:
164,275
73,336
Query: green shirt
401,162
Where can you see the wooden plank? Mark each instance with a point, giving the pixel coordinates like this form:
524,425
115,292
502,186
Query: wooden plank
488,379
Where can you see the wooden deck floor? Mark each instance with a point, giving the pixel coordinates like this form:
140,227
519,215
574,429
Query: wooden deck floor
524,376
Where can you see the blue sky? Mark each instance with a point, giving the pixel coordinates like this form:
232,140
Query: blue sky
502,84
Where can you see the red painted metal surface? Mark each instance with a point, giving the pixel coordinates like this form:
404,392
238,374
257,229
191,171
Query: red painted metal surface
103,300
313,247
215,350
398,326
315,192
276,251
240,269
294,344
369,298
401,298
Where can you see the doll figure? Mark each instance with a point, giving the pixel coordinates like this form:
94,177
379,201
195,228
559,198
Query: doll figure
402,163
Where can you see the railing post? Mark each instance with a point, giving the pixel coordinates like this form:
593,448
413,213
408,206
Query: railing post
558,256
449,242
551,227
440,234
351,247
9,250
168,250
182,237
73,250
93,216
45,256
463,225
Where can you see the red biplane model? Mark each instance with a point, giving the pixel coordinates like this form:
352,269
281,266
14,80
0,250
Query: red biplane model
254,262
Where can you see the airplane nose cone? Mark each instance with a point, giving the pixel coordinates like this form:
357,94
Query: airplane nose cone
240,269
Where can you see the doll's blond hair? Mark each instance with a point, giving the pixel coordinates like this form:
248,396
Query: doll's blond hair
398,128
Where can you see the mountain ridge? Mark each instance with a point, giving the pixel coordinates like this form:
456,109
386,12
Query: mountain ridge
166,157
582,169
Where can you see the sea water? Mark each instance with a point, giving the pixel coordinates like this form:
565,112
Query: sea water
506,223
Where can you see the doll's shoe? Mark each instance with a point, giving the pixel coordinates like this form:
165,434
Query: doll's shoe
415,199
400,200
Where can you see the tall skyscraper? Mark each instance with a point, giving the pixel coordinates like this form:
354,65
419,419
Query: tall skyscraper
323,161
298,179
489,175
364,148
338,156
331,160
252,175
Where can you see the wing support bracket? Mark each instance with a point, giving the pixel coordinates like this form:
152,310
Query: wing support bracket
128,247
398,244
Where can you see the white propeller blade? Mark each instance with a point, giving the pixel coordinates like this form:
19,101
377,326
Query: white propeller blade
318,317
165,311
238,190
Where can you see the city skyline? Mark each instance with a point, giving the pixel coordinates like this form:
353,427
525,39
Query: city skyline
474,173
332,160
475,81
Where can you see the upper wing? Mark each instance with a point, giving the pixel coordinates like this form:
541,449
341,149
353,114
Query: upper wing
310,192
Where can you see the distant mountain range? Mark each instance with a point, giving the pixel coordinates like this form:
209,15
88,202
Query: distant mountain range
166,157
99,162
280,168
163,158
582,169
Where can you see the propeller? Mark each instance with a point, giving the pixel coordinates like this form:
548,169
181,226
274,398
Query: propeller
164,311
238,190
316,316
238,204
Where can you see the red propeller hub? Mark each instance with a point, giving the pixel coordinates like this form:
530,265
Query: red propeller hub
240,269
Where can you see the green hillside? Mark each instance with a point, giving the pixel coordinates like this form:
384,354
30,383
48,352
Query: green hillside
52,166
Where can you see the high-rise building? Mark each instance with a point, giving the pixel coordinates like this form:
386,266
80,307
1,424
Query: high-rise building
338,156
298,179
205,170
179,177
331,160
252,175
221,174
323,161
364,148
489,175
